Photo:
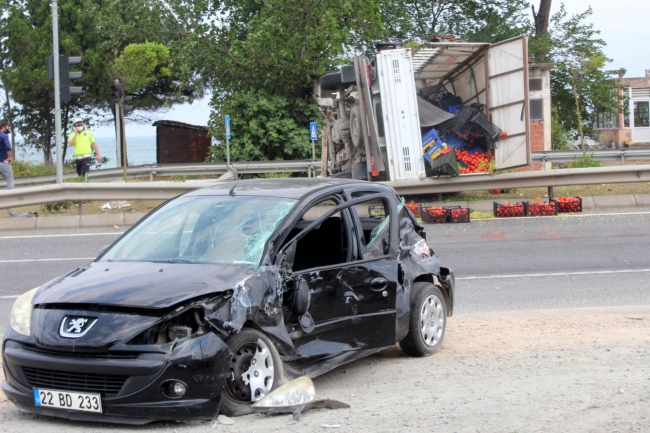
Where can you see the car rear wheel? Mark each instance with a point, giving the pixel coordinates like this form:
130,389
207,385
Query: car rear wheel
427,322
254,371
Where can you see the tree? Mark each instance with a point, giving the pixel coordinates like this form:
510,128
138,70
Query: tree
472,20
265,57
580,84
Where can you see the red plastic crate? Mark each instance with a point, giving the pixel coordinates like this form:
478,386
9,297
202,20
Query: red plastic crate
542,209
457,214
568,204
509,210
433,214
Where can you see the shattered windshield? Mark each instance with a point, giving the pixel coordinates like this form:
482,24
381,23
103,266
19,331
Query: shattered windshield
205,229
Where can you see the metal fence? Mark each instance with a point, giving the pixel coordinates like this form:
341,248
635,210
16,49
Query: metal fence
165,190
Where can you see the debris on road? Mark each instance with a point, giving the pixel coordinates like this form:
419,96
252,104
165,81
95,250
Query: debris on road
224,420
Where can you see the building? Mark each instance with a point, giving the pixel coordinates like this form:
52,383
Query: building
178,142
625,130
539,97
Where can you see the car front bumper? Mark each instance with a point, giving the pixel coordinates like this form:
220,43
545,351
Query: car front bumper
131,384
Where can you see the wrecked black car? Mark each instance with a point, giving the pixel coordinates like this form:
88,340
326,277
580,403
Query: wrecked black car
221,295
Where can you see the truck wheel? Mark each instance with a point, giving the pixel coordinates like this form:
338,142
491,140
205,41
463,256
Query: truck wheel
356,133
343,175
332,81
254,371
427,322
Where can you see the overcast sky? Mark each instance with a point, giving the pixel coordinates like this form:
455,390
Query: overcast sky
623,24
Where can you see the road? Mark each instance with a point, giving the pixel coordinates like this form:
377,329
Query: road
501,265
550,333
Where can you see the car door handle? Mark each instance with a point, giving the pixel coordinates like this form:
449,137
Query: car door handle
378,284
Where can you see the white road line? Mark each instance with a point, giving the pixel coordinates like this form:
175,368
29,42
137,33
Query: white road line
47,260
59,236
555,274
9,297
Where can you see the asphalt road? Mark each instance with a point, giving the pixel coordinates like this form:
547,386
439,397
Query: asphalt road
596,260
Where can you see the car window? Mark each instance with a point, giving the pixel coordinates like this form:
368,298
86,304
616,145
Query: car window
217,230
375,223
324,245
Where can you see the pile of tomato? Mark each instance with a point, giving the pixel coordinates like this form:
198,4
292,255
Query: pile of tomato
473,163
568,204
539,209
414,208
460,215
510,210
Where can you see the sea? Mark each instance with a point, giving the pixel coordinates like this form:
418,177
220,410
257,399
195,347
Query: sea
139,150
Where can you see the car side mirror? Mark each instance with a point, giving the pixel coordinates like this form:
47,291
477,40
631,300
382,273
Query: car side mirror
102,249
301,298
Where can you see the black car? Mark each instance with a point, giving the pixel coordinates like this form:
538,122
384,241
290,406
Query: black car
219,296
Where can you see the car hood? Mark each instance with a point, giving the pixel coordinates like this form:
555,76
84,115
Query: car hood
140,284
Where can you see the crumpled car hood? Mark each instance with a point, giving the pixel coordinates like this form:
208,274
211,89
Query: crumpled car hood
140,284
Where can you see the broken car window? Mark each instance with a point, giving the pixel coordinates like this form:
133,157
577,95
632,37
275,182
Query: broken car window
373,215
216,230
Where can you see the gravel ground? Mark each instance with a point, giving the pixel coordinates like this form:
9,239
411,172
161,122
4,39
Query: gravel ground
577,370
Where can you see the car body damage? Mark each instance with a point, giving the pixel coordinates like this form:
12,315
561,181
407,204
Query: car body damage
186,315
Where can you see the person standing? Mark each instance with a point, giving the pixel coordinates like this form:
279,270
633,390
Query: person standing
84,143
6,156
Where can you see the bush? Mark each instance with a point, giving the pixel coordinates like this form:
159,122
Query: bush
585,161
276,175
23,168
57,207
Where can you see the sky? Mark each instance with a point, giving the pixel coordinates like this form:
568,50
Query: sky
622,24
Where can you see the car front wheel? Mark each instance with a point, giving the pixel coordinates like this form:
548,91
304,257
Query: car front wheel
254,371
427,321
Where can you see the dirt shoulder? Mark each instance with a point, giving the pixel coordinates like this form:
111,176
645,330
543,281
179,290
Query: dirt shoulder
578,370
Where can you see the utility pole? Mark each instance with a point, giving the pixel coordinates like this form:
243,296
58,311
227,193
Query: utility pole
57,94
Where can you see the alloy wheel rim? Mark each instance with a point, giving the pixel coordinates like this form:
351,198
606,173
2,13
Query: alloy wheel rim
432,320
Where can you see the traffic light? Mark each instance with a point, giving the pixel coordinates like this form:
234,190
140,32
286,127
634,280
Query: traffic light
65,76
116,92
128,108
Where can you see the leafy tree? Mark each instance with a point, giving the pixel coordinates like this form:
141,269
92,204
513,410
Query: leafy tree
267,55
473,20
580,84
141,64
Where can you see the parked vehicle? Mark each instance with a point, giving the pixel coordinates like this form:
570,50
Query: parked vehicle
377,112
219,296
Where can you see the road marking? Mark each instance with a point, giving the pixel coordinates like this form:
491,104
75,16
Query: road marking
555,274
58,236
9,297
47,260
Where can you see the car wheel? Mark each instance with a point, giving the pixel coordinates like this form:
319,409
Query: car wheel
254,371
356,132
427,322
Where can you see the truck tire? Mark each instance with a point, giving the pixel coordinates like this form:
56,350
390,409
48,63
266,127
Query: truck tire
343,175
356,132
427,321
246,345
332,81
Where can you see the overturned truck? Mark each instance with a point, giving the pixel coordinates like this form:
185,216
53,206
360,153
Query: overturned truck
388,118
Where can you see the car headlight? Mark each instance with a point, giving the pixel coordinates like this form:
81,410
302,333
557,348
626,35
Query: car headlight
21,313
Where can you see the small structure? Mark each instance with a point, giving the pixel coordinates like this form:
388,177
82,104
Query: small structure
178,142
625,130
539,97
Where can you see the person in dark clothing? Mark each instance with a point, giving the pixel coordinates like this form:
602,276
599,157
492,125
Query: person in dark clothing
6,158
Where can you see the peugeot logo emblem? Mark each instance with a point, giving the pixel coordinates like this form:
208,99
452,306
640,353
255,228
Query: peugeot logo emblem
75,326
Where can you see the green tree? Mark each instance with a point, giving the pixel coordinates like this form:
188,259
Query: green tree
141,64
581,86
472,20
265,57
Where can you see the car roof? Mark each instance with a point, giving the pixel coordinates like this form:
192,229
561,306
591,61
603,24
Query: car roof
294,188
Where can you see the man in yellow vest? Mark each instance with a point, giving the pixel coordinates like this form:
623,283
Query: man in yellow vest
84,143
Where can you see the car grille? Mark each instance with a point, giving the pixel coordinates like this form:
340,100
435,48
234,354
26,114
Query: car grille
69,381
114,355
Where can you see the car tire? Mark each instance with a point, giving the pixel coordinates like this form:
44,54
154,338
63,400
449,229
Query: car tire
427,321
246,345
356,132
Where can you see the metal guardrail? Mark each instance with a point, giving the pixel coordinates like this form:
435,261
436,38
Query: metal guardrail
296,166
165,190
602,154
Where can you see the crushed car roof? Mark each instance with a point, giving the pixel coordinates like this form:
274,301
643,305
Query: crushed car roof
286,188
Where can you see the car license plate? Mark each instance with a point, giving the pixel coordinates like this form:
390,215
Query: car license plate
68,400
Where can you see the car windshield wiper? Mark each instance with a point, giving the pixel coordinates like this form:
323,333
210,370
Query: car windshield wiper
179,261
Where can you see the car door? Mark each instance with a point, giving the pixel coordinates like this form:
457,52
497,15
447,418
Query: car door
352,305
